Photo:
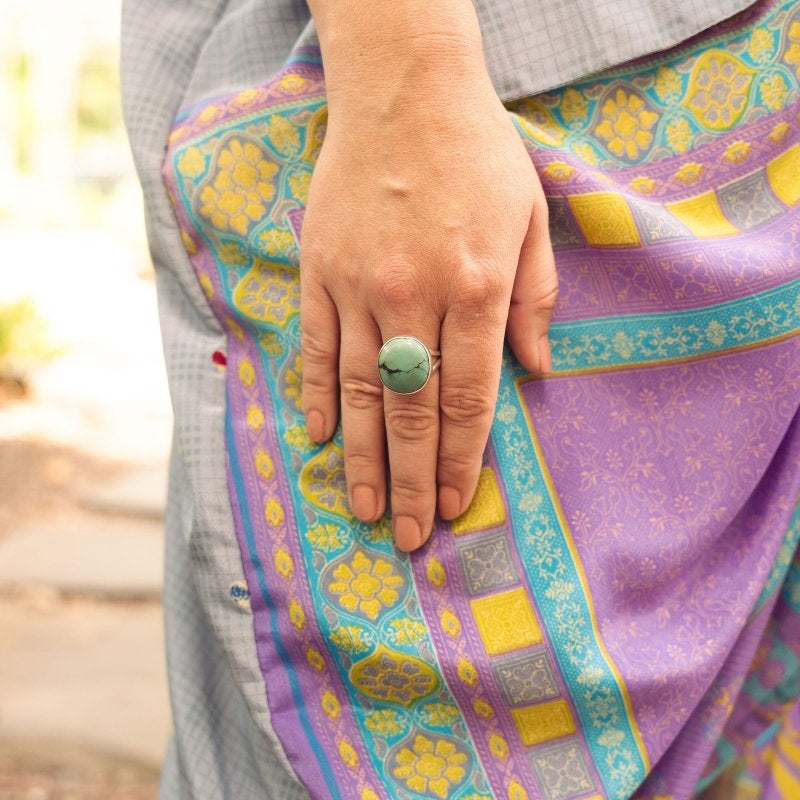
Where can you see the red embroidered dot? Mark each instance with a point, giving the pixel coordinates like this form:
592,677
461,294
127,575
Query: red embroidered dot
218,357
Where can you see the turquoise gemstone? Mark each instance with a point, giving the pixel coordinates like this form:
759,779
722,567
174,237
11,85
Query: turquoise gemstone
403,364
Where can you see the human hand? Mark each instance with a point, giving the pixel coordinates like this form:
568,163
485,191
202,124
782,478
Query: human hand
425,217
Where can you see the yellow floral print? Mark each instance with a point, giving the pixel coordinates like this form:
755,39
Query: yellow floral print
283,562
242,184
643,184
450,623
441,714
191,163
273,512
498,746
314,657
483,709
778,133
384,722
792,54
429,767
626,124
283,135
689,173
365,585
435,572
296,615
326,536
466,671
406,630
350,638
276,241
737,152
330,704
773,92
679,135
573,107
667,83
264,464
760,47
348,754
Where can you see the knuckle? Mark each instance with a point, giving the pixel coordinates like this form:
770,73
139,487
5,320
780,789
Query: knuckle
454,466
360,394
466,407
411,423
358,462
411,494
396,287
477,288
549,294
316,350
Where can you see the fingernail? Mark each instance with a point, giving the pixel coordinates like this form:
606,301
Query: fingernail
365,501
407,533
449,502
315,423
545,358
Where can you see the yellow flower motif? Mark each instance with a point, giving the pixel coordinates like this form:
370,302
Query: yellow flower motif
264,464
348,754
330,704
689,173
429,767
498,746
643,184
737,152
483,709
176,134
191,163
585,152
719,87
559,171
314,657
792,54
283,562
273,512
271,343
246,97
365,585
207,114
292,83
234,327
778,133
188,243
760,47
441,714
276,242
369,794
293,383
516,792
326,536
350,638
450,623
299,183
626,124
573,106
667,83
773,92
406,630
233,254
296,615
297,438
283,135
679,135
466,671
247,372
241,185
384,723
255,417
206,285
435,572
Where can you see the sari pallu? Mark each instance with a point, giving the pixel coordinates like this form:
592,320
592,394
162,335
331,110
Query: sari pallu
617,614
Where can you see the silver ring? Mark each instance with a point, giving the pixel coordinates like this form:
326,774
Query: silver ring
405,364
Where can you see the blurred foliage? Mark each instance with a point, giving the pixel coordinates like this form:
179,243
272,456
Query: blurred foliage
23,339
20,68
98,107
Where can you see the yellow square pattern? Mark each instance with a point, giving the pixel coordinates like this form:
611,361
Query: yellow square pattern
486,509
605,219
537,724
783,174
506,621
703,216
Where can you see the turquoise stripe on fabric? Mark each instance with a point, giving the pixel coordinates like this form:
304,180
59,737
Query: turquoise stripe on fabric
297,695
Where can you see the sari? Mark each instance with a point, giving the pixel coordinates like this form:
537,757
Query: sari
617,613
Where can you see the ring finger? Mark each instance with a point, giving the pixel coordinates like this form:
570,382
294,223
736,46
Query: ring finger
412,436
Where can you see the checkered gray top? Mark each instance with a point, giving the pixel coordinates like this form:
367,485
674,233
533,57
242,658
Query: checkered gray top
176,53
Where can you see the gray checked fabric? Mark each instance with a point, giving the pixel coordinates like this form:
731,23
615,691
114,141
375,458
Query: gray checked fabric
176,53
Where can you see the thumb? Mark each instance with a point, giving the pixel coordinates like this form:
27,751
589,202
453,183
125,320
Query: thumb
533,297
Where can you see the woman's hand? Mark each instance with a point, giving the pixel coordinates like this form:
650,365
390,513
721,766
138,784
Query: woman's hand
425,217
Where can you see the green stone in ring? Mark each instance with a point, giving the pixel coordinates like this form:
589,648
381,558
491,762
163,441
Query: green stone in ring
404,364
